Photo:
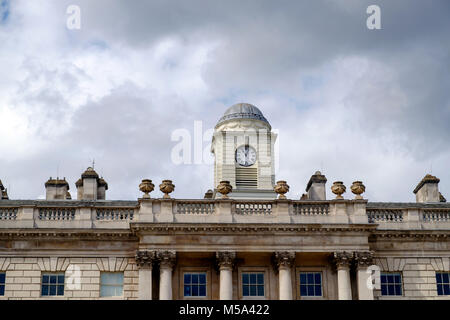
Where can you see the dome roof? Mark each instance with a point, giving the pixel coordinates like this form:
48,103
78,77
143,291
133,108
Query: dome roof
242,111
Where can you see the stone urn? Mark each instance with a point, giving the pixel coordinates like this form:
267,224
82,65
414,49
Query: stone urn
338,189
146,187
224,188
166,187
281,188
358,188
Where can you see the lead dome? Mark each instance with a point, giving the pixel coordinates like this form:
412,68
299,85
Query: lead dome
242,111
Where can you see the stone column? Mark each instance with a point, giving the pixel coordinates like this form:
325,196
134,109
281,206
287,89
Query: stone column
144,261
343,260
225,261
166,263
284,261
363,261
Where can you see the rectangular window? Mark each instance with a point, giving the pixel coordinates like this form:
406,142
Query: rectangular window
443,283
111,284
311,284
391,284
195,284
52,284
2,283
253,284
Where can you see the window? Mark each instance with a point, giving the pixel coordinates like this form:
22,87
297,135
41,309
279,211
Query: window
443,283
311,284
111,284
391,284
52,284
253,284
2,283
195,284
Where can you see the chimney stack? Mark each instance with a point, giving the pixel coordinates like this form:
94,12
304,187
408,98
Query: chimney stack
91,186
427,190
57,189
316,187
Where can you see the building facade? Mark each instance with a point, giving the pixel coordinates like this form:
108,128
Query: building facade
244,240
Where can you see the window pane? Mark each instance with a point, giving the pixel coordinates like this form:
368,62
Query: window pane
61,279
2,277
303,278
391,290
194,291
398,279
384,290
107,291
53,279
118,291
44,279
446,289
253,278
438,277
390,278
187,290
45,290
53,290
310,278
194,278
245,291
383,278
445,278
202,291
60,290
187,278
440,290
261,291
303,290
253,290
2,290
318,278
202,278
310,290
398,290
245,278
318,291
260,278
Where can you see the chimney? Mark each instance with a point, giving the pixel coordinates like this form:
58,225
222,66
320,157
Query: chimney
3,192
316,187
91,186
427,190
56,189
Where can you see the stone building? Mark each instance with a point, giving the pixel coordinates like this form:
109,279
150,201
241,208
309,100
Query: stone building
244,240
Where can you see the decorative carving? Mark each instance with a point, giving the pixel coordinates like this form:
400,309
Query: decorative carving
224,188
145,259
166,187
342,259
364,259
358,188
225,259
166,258
338,189
284,259
281,188
146,186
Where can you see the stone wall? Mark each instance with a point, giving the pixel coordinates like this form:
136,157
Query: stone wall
23,276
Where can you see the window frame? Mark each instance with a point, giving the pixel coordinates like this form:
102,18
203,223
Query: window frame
184,270
323,270
264,271
57,274
401,284
442,283
101,284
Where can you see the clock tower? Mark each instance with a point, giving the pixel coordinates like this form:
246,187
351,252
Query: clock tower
243,148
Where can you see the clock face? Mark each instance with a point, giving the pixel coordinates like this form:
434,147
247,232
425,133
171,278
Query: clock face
245,156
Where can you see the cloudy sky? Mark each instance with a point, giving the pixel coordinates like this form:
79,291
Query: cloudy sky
358,104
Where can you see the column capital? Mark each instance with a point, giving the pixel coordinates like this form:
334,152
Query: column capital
342,259
225,259
166,258
364,259
283,259
144,259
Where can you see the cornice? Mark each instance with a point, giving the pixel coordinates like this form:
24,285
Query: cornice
86,234
387,235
